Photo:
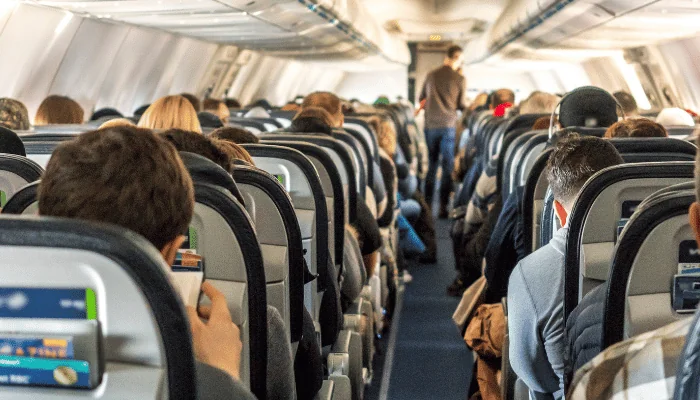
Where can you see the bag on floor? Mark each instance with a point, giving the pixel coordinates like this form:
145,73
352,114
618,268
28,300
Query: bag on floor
472,298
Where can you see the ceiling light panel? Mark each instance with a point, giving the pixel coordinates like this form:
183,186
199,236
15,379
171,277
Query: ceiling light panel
116,7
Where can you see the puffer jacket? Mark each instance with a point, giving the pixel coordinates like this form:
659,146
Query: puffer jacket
584,329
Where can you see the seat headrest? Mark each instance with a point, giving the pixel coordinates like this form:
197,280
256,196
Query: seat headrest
10,143
209,120
588,106
654,145
206,171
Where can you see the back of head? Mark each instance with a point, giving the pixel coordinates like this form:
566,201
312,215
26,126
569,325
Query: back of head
329,102
454,53
539,103
234,151
312,120
196,143
386,134
257,112
59,110
13,115
636,127
670,117
502,96
171,112
113,123
218,108
573,161
232,103
543,123
10,143
588,106
261,103
627,102
209,120
124,176
194,100
291,107
105,112
479,101
697,171
235,135
139,111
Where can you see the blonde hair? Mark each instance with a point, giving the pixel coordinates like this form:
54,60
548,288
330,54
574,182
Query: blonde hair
171,112
59,110
218,108
386,135
539,103
113,123
329,102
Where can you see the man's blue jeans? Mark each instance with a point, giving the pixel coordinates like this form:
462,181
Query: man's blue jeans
441,146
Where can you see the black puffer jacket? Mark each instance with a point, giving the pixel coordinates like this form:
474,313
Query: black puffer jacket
584,330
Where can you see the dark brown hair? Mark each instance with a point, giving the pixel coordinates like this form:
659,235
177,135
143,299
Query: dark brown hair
194,100
636,127
235,135
196,143
125,176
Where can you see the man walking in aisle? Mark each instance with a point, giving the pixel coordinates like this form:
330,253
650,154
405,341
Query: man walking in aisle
444,91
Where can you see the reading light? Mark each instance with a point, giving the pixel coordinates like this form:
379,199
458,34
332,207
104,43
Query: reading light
435,38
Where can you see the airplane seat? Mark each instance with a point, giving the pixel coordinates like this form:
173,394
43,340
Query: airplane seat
222,233
252,125
24,201
529,153
366,149
39,146
128,327
654,149
306,191
680,132
512,149
602,208
653,274
361,126
533,201
279,235
203,170
15,173
495,139
361,159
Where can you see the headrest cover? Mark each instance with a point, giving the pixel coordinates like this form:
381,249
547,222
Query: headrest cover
209,120
10,143
206,171
588,106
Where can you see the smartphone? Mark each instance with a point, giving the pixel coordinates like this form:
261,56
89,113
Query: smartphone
187,276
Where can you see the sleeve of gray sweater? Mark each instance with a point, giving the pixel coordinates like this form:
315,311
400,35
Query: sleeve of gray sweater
536,348
215,384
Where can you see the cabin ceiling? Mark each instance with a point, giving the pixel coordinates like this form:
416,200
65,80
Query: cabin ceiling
301,29
417,20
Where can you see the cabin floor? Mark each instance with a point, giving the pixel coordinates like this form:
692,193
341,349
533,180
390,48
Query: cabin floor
423,357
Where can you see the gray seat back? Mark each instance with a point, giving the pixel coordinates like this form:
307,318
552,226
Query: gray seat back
599,210
656,247
125,318
15,173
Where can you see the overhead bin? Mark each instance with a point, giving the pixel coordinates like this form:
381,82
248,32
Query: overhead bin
303,29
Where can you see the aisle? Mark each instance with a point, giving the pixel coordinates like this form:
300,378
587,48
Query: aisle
430,361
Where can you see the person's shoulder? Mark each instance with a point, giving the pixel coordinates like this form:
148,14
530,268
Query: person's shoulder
542,262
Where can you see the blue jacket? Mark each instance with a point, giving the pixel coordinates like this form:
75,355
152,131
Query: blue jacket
584,329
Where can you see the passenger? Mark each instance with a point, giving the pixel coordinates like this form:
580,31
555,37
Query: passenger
113,123
105,112
675,117
196,143
218,108
333,105
644,364
209,120
235,135
535,315
316,120
194,100
291,107
234,151
542,123
628,104
312,120
171,112
444,93
637,127
94,177
479,101
232,103
10,143
539,103
13,115
58,110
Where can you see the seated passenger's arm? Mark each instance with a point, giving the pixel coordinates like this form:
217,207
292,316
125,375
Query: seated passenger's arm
527,352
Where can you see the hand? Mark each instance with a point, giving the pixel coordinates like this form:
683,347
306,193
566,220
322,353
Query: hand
217,341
